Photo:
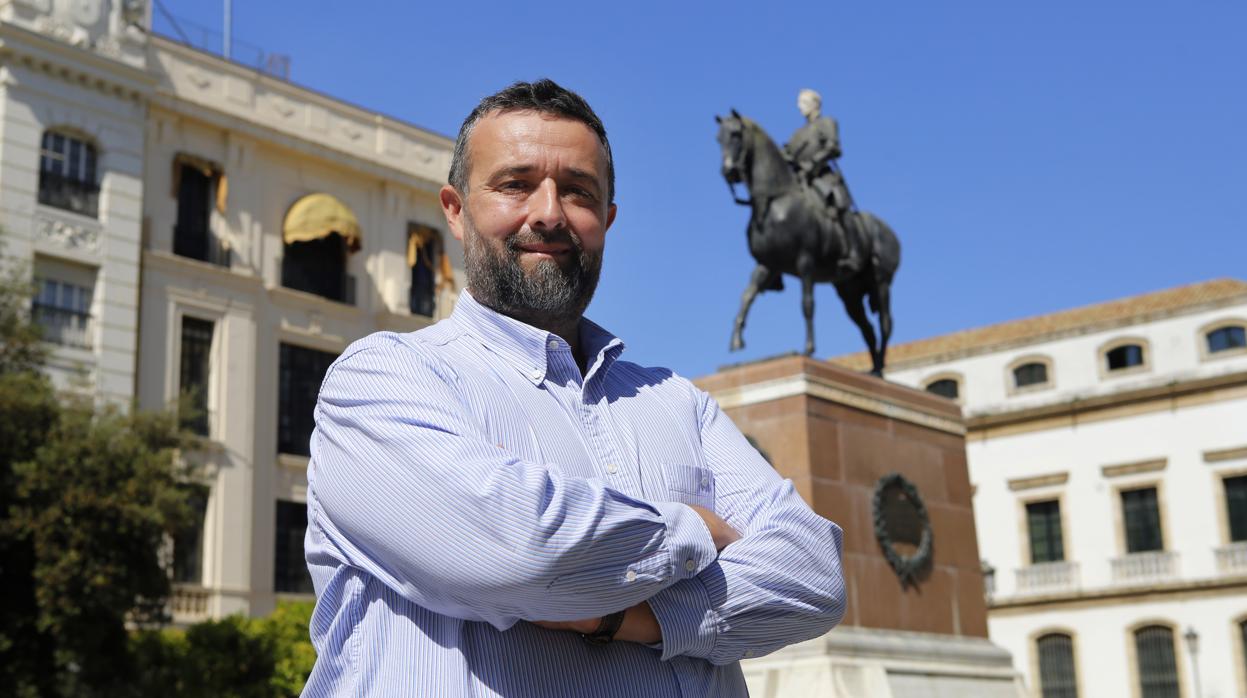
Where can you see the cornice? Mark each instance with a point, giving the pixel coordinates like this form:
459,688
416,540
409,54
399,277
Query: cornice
73,64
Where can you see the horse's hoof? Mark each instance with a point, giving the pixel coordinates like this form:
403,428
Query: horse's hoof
736,345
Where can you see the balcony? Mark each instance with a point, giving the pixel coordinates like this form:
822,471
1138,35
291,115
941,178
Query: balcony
1145,568
1048,578
62,326
189,603
201,244
69,194
1232,559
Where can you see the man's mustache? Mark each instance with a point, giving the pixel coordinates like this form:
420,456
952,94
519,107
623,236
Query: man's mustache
553,237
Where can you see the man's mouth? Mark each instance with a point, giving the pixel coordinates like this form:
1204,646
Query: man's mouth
555,251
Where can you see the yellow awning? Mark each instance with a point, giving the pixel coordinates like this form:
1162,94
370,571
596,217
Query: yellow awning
316,216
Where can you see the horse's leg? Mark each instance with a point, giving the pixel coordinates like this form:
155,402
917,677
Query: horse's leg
759,280
883,292
852,299
805,267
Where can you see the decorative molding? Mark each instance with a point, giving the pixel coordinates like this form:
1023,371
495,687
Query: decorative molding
1143,466
1224,454
791,386
907,567
1030,483
68,234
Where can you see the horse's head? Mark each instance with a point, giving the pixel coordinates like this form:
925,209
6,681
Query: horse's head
732,134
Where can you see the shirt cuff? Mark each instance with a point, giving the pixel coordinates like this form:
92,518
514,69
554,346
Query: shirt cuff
689,625
688,540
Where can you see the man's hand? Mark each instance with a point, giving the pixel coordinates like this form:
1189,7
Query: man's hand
720,531
639,625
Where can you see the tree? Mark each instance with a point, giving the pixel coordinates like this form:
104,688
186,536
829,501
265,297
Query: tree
88,498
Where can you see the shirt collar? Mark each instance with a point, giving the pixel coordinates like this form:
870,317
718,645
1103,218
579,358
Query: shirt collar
526,347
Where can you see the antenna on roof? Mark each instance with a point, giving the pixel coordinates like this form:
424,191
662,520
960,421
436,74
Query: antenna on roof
227,32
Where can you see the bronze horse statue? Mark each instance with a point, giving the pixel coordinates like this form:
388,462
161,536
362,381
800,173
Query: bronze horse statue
793,231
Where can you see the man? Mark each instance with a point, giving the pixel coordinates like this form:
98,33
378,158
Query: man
813,150
499,506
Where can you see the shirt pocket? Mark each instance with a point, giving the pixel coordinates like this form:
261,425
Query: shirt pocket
689,484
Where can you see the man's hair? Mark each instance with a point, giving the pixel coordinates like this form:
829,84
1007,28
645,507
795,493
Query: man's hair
544,97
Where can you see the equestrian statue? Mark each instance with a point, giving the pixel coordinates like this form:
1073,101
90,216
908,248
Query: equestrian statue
803,222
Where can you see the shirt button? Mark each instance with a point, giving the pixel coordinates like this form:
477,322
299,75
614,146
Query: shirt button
748,654
705,481
690,564
630,576
536,374
554,344
612,468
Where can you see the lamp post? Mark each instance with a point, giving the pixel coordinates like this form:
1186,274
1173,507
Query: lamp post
1192,646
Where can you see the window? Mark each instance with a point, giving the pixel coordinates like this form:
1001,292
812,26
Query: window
63,310
424,257
1056,666
1226,338
289,568
319,266
1236,507
196,182
196,352
945,387
1029,374
1158,670
188,543
1123,357
67,174
1141,515
1043,519
301,371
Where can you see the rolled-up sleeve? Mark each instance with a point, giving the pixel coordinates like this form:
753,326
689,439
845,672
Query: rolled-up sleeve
781,583
405,485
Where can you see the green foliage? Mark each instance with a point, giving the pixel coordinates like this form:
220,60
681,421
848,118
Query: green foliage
231,658
87,497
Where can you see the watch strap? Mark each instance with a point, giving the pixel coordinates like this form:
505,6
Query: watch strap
607,627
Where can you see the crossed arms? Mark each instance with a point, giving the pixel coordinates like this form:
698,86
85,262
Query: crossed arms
406,485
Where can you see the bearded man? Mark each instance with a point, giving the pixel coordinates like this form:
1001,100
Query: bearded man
499,505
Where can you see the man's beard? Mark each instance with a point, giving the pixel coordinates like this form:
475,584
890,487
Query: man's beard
550,294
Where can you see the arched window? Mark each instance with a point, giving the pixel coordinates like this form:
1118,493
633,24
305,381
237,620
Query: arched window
1056,666
1226,338
67,173
1123,357
1158,668
1030,374
319,232
945,387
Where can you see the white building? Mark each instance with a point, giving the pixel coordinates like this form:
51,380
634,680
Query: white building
199,226
1108,451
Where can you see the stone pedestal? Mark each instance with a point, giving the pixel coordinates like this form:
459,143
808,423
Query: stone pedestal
835,433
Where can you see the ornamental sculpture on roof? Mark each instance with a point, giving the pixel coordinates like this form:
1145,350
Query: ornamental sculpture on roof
803,222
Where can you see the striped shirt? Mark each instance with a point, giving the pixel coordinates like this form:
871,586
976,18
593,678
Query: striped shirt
467,478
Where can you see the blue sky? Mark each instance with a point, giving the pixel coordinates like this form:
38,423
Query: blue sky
1030,156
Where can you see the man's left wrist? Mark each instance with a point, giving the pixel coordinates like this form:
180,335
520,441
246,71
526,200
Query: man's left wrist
607,628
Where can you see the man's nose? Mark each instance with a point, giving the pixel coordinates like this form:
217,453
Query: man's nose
545,208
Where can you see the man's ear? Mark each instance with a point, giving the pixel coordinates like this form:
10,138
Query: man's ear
452,207
610,216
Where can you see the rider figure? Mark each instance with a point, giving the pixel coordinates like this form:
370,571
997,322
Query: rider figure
810,150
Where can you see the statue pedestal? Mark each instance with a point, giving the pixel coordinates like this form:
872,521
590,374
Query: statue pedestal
835,433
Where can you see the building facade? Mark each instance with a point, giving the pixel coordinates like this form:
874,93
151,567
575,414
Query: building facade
1107,448
198,228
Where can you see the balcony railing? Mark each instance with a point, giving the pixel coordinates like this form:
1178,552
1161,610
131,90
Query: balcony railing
189,602
1232,559
1048,577
62,326
201,244
1144,568
70,194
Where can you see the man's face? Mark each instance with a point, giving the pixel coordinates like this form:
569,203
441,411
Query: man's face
807,104
534,218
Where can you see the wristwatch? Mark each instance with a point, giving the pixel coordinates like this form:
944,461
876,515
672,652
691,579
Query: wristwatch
605,633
